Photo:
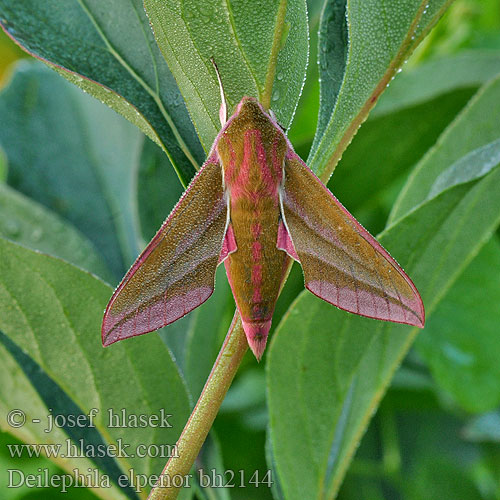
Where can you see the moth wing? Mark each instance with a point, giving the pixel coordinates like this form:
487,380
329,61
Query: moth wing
176,271
342,263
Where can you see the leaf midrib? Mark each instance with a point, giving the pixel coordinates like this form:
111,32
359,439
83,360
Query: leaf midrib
406,47
100,426
154,95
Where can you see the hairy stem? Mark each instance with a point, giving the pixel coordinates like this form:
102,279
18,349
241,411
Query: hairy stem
197,427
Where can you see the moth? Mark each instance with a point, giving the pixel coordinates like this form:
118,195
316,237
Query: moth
253,205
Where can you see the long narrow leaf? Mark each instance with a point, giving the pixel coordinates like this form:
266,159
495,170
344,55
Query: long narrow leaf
340,364
107,48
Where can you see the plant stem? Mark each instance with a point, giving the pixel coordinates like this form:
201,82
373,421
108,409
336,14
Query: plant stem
197,427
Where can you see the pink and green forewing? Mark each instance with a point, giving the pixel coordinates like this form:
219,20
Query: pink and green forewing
342,263
176,271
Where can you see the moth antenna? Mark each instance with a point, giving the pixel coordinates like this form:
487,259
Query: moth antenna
223,105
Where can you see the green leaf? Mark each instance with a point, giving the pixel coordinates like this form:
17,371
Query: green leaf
484,427
332,58
209,462
423,483
342,373
106,47
380,38
31,225
438,77
16,392
3,166
458,141
466,365
248,465
385,150
26,388
260,49
405,123
472,166
433,455
342,370
301,132
271,463
158,189
408,435
247,399
9,53
57,325
70,153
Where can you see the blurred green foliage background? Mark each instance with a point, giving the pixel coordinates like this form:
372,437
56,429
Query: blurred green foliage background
424,442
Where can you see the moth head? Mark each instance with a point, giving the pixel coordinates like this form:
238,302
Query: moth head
249,104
